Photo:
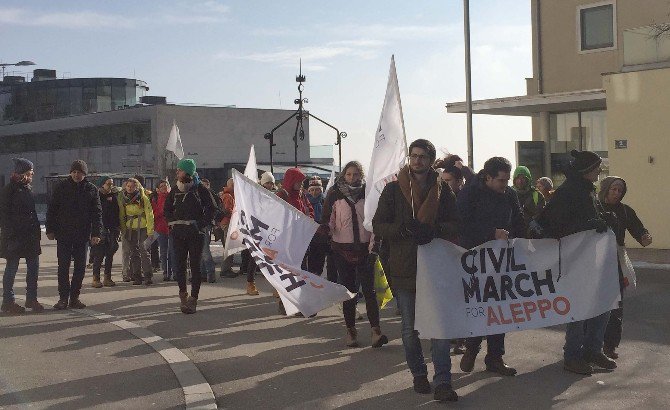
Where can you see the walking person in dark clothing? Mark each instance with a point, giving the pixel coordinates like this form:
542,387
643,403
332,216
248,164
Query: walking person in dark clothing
411,212
109,234
573,209
488,209
73,219
19,237
189,210
612,191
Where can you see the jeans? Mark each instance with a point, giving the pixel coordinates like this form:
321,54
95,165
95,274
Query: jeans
207,266
33,266
440,348
166,251
187,245
585,336
66,252
495,346
349,273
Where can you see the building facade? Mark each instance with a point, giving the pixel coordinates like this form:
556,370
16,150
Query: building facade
598,67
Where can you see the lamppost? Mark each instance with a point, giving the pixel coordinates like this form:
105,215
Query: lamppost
300,114
20,63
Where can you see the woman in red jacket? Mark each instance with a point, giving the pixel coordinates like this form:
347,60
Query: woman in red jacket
161,228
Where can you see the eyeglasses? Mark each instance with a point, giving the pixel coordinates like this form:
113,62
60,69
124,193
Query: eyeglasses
419,157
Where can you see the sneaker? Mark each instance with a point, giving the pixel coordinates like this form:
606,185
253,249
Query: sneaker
75,303
35,306
61,304
578,366
600,360
499,366
421,385
468,360
12,308
444,392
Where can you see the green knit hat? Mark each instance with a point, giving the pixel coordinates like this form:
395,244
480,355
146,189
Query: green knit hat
187,165
521,170
102,179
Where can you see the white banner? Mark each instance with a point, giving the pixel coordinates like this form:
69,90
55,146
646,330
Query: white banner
278,236
503,286
390,148
232,246
174,142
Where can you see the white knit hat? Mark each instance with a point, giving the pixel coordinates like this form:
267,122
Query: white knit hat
267,177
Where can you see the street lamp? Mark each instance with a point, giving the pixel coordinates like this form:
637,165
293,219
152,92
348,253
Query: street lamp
20,63
300,115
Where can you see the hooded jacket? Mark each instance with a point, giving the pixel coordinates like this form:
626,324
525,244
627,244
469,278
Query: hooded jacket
294,197
158,205
530,199
19,227
626,218
136,214
74,212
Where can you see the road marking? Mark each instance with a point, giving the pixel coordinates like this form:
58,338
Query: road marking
198,393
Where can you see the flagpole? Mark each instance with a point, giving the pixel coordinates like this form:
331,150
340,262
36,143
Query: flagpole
468,80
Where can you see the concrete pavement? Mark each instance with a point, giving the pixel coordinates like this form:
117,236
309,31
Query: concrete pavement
252,357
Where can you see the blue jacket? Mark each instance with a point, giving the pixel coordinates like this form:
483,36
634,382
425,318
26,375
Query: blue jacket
481,211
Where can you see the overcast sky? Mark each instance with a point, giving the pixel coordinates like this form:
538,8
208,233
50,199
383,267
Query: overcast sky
246,53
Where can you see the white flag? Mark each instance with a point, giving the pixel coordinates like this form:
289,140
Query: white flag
251,170
331,181
390,148
174,142
277,235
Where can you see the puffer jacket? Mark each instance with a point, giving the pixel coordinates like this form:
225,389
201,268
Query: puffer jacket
136,215
157,204
19,227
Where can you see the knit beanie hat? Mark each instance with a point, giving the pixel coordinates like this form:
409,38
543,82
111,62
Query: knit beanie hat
585,161
101,180
79,165
267,177
22,165
522,170
315,181
187,165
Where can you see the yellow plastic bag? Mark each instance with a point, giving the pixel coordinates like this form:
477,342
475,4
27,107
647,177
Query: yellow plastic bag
382,288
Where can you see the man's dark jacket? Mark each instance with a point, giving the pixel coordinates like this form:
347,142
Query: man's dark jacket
20,229
394,213
74,212
481,211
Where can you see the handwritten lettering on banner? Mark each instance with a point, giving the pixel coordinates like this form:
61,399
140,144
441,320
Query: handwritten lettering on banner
502,286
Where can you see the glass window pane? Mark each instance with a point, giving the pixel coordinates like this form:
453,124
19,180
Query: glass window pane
564,132
597,28
594,126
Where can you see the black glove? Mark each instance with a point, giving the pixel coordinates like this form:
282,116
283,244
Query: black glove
372,261
599,225
425,234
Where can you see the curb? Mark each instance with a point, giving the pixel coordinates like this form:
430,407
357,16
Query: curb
198,393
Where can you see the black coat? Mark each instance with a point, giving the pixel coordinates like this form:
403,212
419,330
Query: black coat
198,204
74,212
481,211
571,209
111,220
20,229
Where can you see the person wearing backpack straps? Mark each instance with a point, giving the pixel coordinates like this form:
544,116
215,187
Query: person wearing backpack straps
137,224
189,210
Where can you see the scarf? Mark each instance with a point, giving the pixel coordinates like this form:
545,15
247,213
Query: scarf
425,201
354,193
133,198
185,186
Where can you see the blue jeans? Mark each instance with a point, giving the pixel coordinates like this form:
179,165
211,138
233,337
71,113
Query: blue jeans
33,266
166,252
207,265
585,336
439,348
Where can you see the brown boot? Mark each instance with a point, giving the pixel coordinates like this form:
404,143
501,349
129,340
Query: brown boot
251,289
108,282
378,339
34,305
12,308
183,297
96,282
351,338
190,306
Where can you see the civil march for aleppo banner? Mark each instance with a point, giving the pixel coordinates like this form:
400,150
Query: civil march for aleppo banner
277,235
503,286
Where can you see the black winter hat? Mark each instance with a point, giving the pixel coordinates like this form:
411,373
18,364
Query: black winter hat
79,165
585,161
22,165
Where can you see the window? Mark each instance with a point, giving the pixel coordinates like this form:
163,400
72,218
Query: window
597,27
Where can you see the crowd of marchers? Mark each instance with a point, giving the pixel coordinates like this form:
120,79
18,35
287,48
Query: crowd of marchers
170,229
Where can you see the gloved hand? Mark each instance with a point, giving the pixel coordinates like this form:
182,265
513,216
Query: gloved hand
599,225
372,261
425,234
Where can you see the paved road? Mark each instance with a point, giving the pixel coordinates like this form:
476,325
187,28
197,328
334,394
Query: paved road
252,357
